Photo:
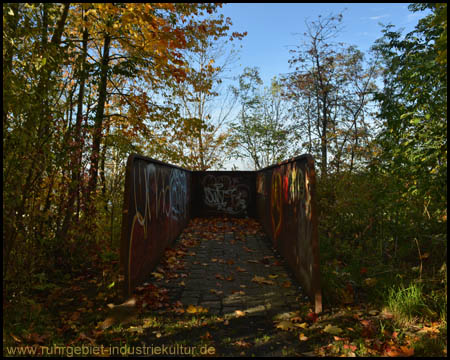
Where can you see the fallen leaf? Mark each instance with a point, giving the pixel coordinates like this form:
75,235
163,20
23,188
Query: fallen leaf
302,337
312,316
242,343
350,347
427,329
333,330
16,339
273,276
230,262
399,351
206,336
196,309
240,269
286,284
239,313
302,325
262,280
220,277
370,282
75,316
285,325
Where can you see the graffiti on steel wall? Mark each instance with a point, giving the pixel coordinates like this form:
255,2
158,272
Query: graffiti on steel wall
160,195
286,194
288,186
178,194
225,194
303,249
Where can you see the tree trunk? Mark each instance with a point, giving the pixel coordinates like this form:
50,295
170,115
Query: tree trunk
97,135
78,148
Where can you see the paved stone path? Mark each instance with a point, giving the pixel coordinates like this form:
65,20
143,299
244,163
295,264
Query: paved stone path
227,288
233,270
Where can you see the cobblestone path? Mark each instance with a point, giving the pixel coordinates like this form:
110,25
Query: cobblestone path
227,276
221,273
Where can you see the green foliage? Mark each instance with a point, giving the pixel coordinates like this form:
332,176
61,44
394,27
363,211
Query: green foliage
414,109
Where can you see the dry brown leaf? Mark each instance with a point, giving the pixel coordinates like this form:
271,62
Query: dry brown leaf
262,280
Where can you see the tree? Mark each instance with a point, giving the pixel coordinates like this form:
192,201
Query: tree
413,105
78,81
198,142
330,90
316,72
262,130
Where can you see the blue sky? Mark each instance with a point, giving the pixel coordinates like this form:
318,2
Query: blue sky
271,28
275,28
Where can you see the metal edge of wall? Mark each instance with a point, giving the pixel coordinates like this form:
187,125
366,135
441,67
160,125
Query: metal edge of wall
125,234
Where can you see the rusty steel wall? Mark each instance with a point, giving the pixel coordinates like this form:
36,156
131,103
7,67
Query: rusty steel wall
286,206
219,193
156,209
160,199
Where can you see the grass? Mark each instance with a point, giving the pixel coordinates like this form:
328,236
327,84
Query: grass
407,303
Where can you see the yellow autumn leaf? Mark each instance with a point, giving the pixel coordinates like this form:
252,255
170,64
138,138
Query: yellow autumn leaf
370,282
158,275
302,337
239,313
195,309
302,325
333,330
273,276
285,325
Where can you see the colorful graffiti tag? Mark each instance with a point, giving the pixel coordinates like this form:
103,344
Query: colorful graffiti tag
289,217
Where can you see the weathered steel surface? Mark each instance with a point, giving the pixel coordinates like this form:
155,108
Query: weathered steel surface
286,206
156,209
160,199
229,193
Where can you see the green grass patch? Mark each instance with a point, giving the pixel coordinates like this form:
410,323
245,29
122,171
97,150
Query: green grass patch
407,303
